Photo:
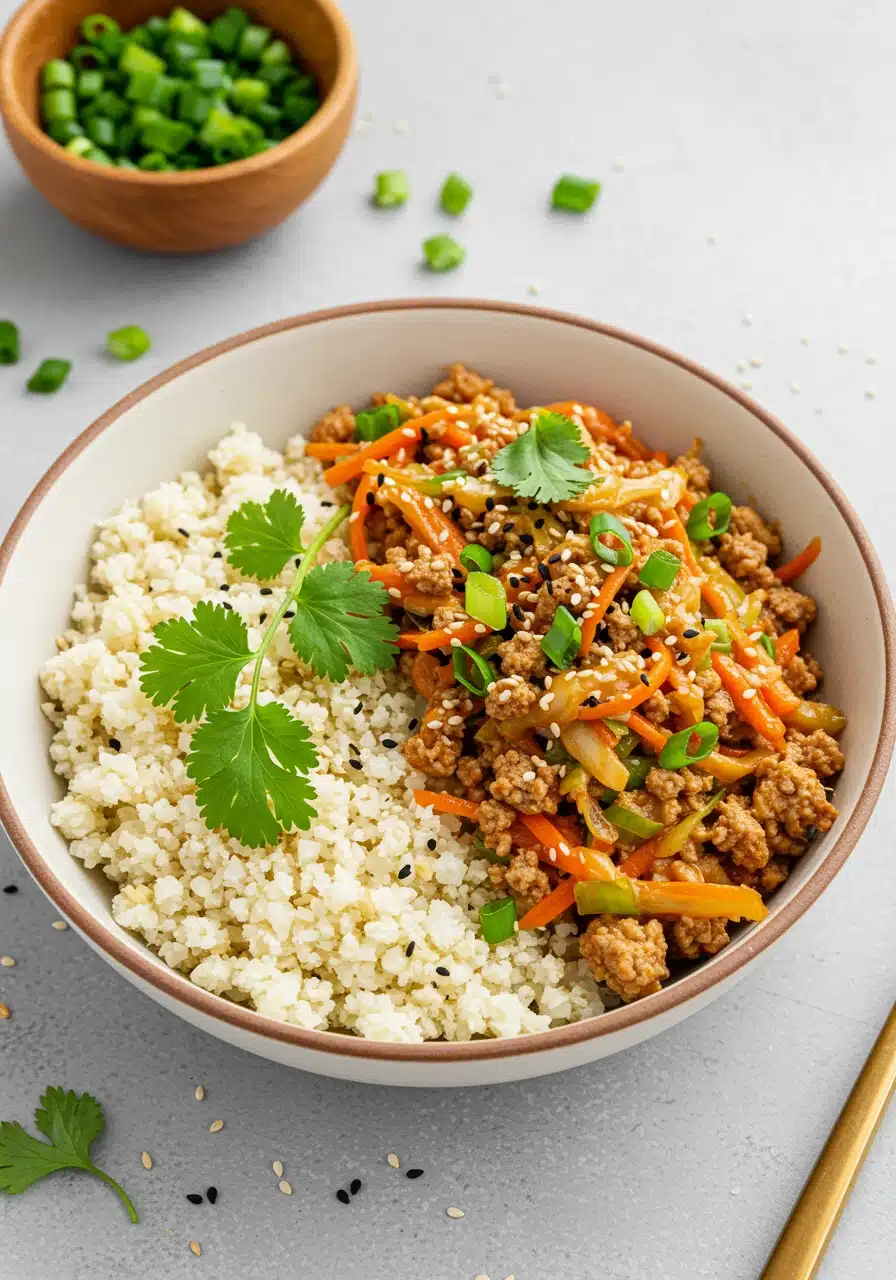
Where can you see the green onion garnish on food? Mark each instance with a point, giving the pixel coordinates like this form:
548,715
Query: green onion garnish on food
638,769
455,195
128,343
720,627
474,556
471,670
443,253
49,376
498,919
604,523
562,642
371,424
700,527
575,195
660,570
391,188
768,645
646,614
9,342
485,600
681,749
637,824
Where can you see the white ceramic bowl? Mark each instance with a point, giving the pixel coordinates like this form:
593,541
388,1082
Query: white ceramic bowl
280,377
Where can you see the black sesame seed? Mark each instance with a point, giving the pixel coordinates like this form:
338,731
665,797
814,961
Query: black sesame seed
412,724
518,612
356,764
414,1173
266,591
343,1196
544,573
194,1198
533,506
10,888
225,604
409,949
431,845
526,539
455,513
690,633
539,524
358,709
549,586
224,587
216,555
489,504
592,701
261,618
683,657
380,480
508,527
298,562
644,678
442,971
182,532
555,558
405,871
290,613
424,436
456,573
326,504
352,747
114,744
389,742
514,582
370,499
354,1186
645,653
212,1194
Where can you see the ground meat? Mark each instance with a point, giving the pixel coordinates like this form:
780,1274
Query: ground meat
510,697
677,869
817,751
527,783
656,708
470,774
767,879
622,632
571,588
737,833
790,608
745,559
746,520
522,656
719,708
630,957
463,385
390,528
680,791
437,748
524,878
699,479
787,801
695,938
335,427
429,574
802,675
495,820
446,614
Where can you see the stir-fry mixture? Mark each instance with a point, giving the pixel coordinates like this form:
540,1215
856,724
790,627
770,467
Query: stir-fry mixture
615,673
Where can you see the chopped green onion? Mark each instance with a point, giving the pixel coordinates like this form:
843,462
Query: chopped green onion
184,23
157,28
768,645
101,131
49,376
210,73
556,753
699,525
575,195
660,570
58,104
90,84
252,42
181,53
472,671
497,919
637,824
57,74
678,752
226,30
247,93
168,136
277,54
611,897
135,58
486,601
299,109
194,106
79,146
371,424
646,614
603,522
128,343
391,188
87,55
456,194
720,627
443,253
476,557
562,642
110,104
154,162
62,131
97,25
638,769
9,342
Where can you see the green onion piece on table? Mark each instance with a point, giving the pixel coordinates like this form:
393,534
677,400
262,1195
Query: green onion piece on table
660,570
768,645
637,824
497,920
372,424
471,670
574,195
700,527
604,523
128,343
476,557
720,627
562,642
9,342
646,614
391,188
443,253
680,750
49,376
485,600
455,195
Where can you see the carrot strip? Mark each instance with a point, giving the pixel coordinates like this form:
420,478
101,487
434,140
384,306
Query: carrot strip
600,424
391,442
578,861
751,708
387,574
558,900
800,563
430,524
429,677
660,456
639,692
607,736
357,537
780,698
426,640
442,803
456,437
608,591
647,732
329,450
677,532
787,647
639,861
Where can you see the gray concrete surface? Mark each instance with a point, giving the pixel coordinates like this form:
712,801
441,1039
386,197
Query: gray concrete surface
755,175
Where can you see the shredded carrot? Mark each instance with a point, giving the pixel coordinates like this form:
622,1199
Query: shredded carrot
780,698
578,861
426,640
387,574
442,803
660,456
391,442
558,900
456,437
787,647
607,736
329,450
357,537
677,532
600,424
800,563
640,860
638,692
752,708
647,732
429,677
429,523
602,602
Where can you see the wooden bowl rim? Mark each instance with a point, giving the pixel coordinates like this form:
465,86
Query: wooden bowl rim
19,121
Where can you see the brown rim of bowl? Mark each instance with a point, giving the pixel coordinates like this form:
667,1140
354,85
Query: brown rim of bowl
342,87
727,963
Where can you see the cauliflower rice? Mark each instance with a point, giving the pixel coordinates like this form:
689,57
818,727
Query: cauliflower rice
316,931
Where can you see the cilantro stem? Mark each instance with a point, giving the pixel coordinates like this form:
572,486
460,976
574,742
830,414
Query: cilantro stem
308,557
104,1177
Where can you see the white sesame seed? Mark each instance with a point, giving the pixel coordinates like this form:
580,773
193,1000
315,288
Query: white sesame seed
428,503
741,366
285,1187
494,527
552,854
529,776
756,362
555,728
805,340
843,349
575,599
199,1095
565,554
434,724
750,651
392,1160
394,592
534,289
480,628
795,386
564,848
401,126
455,719
7,962
455,643
146,1159
60,925
746,319
548,681
746,384
871,357
196,1247
670,640
749,693
505,695
355,515
277,1166
216,1126
870,393
454,1212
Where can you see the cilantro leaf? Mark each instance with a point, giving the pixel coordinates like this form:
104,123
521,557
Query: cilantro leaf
196,661
250,766
261,539
72,1122
341,622
544,463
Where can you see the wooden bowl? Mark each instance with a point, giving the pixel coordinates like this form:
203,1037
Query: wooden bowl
203,208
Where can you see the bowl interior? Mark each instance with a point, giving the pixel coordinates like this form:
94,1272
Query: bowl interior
279,383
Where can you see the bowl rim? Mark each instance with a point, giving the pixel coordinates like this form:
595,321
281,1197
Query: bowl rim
16,118
145,967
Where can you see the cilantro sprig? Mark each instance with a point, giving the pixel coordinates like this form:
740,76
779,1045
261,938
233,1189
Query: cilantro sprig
72,1122
251,764
545,462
